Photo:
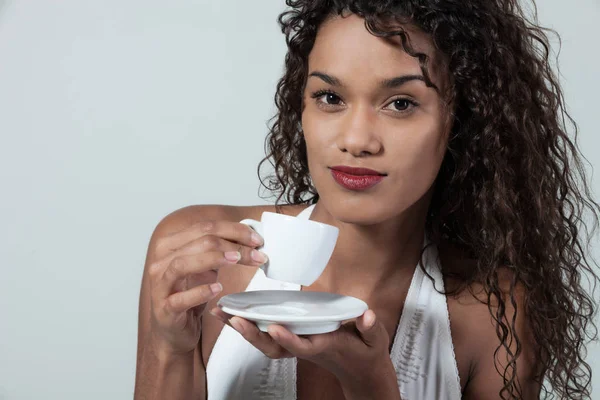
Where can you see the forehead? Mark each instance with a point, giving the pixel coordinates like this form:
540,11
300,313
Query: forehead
344,47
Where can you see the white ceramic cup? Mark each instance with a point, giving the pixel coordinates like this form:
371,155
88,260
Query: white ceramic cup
298,249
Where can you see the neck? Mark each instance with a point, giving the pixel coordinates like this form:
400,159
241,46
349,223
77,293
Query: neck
370,258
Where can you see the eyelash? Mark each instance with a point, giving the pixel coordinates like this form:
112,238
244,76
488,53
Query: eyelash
321,93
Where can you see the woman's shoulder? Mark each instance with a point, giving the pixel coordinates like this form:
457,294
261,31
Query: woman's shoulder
189,215
475,331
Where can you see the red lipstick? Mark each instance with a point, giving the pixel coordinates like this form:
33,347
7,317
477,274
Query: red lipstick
356,178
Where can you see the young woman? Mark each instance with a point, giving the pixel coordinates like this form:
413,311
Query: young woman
432,133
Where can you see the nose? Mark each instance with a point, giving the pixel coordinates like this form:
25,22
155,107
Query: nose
357,135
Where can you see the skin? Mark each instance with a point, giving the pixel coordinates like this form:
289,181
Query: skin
402,132
366,125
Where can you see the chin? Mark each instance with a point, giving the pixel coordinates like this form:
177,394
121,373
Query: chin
363,210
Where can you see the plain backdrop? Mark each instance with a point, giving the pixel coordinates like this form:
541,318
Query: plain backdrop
114,114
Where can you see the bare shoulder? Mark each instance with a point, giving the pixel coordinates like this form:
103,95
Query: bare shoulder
233,278
187,216
477,346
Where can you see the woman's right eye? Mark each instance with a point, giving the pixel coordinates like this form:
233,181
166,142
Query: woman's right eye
326,98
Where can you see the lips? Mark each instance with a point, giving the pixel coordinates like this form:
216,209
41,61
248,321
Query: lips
352,178
356,171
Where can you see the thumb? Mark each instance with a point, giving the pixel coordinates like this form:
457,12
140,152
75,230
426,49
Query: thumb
371,330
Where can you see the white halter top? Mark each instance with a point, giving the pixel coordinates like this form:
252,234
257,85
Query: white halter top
422,351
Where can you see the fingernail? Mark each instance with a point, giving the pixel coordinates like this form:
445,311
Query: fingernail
275,335
216,288
258,256
236,325
370,321
233,256
257,239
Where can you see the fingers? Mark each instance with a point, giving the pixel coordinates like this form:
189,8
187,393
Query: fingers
183,279
209,253
190,255
259,339
221,315
304,347
371,330
165,279
182,301
231,231
247,255
232,252
278,342
324,349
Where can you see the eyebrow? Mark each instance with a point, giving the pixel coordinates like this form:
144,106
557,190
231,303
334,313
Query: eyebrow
386,83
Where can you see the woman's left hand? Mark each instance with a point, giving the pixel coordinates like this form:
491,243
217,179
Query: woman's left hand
357,353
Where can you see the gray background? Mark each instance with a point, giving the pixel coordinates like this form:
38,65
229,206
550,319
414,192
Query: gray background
115,113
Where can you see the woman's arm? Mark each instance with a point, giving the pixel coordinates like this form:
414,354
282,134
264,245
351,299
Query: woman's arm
163,376
484,381
171,377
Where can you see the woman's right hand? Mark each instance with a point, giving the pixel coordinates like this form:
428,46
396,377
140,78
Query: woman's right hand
184,278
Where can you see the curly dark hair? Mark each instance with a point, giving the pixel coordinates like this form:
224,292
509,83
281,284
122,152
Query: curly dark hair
511,191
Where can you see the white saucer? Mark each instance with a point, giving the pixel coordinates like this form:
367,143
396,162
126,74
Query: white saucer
303,313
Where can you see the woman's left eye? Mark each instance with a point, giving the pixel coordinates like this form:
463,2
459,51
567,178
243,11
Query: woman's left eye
402,104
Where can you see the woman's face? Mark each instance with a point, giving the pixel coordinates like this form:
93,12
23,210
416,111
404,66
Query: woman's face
351,118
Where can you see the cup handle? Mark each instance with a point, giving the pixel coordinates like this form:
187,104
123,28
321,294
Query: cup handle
257,226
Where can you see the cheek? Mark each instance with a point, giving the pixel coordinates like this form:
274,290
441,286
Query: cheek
318,135
315,122
417,152
316,155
